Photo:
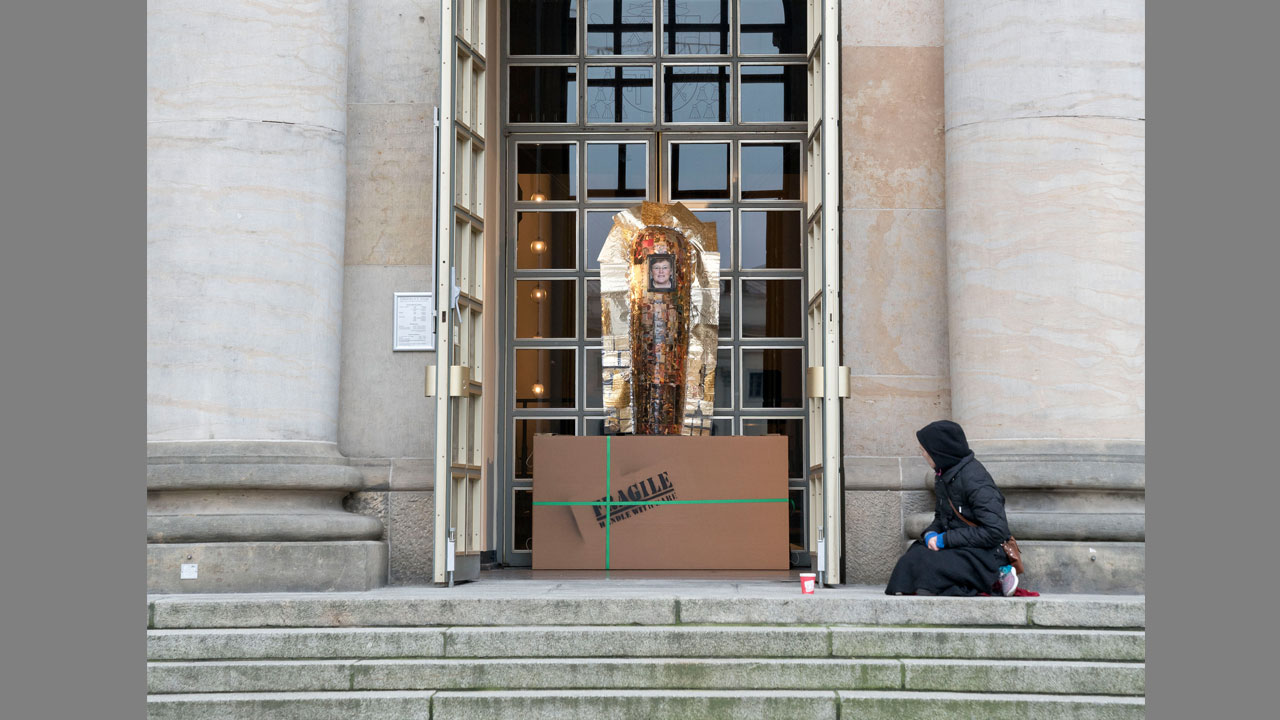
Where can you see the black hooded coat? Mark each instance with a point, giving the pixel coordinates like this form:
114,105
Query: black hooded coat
970,561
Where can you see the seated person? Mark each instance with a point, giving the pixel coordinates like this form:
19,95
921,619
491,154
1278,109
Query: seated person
952,557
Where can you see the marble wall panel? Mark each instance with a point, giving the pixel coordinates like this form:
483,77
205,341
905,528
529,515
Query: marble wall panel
414,473
884,411
872,473
887,473
244,280
383,411
248,59
894,301
395,52
1046,274
872,536
1045,58
410,537
389,174
892,133
375,473
906,23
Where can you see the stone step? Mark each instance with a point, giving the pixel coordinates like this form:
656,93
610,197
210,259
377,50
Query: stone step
649,673
681,641
896,705
401,705
637,704
573,605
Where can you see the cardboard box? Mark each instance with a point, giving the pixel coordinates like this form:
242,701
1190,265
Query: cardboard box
698,531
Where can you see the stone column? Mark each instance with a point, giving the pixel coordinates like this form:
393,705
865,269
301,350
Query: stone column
1045,273
246,194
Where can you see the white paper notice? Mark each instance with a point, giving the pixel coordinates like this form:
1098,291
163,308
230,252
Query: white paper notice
415,322
189,571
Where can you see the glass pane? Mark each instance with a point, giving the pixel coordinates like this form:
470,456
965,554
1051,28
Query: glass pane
695,27
598,226
772,308
522,521
771,239
551,27
594,311
793,428
525,430
546,240
772,378
593,427
726,308
547,171
771,171
617,170
543,94
795,518
773,93
544,378
546,309
619,28
724,233
593,395
722,426
620,94
724,378
700,171
696,93
773,27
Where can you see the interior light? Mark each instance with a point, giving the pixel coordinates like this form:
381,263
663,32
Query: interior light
537,389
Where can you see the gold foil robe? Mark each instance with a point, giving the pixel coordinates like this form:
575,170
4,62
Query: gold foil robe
660,310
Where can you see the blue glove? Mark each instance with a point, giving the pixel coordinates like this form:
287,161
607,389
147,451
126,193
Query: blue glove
929,536
941,542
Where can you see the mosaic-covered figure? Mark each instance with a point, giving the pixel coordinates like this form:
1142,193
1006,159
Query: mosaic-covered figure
660,309
660,277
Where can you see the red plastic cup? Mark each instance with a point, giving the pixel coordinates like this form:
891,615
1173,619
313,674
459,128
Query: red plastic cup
807,582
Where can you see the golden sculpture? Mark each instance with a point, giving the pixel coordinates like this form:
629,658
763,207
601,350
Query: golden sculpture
660,304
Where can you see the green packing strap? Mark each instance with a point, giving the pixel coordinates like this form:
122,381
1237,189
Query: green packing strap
610,504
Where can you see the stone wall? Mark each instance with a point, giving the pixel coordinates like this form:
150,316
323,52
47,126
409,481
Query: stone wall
386,427
993,272
894,295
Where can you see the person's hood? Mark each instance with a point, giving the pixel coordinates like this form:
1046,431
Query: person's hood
945,442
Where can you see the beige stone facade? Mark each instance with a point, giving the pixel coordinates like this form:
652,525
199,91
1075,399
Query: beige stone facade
992,263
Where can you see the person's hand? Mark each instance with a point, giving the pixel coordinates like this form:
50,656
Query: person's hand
931,539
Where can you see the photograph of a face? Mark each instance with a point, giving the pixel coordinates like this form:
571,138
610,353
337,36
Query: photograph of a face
662,276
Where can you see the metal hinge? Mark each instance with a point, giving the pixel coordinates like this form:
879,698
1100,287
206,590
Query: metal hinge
460,382
817,385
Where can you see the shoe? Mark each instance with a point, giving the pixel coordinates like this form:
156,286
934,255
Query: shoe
1008,580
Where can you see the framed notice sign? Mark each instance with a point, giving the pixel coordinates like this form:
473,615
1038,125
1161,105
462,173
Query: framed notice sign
414,321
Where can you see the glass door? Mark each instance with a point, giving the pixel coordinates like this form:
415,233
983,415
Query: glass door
610,103
460,531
